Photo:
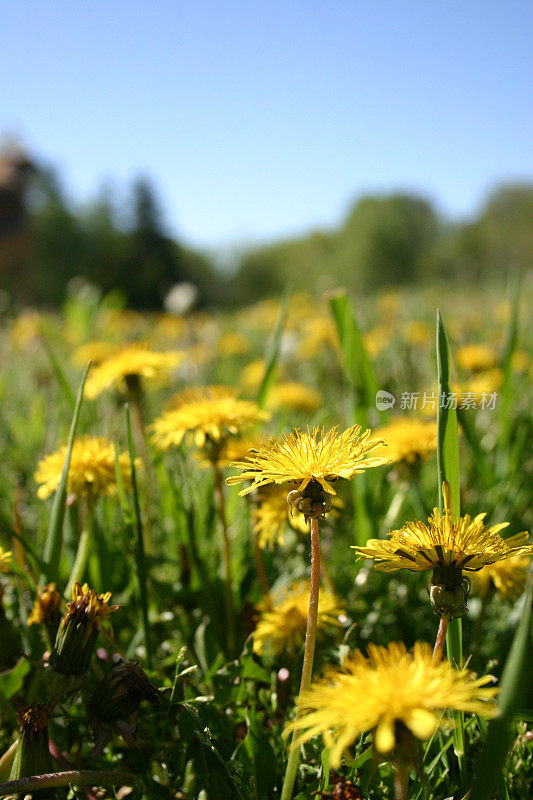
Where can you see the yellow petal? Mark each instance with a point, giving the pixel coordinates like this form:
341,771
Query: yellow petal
384,737
421,722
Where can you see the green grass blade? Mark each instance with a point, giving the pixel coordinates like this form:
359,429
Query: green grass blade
511,339
54,539
448,471
447,431
272,354
357,366
516,681
60,375
139,549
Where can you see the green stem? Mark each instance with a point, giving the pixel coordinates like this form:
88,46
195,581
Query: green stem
309,653
70,778
226,556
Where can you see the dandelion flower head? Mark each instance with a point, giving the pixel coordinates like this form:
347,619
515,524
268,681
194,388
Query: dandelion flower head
46,604
444,541
88,610
294,396
507,577
301,457
130,365
92,470
389,689
205,413
283,622
408,440
476,357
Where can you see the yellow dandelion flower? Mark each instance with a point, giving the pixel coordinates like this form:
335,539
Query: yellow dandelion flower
233,448
283,621
95,351
5,558
205,413
476,357
301,457
507,577
443,541
388,690
319,334
484,383
270,518
129,366
232,344
46,605
91,470
376,340
252,375
408,440
418,333
294,396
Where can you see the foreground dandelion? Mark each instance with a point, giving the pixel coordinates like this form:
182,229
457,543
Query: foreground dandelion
92,471
447,545
397,695
310,462
282,625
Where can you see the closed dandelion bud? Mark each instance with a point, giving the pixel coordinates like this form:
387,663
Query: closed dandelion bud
448,592
46,611
120,692
82,622
32,756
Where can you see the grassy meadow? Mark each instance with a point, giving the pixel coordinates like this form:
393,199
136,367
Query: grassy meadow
183,681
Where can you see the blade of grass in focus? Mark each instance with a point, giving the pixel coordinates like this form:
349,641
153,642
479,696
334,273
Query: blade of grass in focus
271,357
139,549
448,471
516,679
54,539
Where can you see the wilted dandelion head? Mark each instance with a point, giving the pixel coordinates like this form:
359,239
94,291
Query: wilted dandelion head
408,440
5,559
389,691
46,605
507,578
89,610
476,357
294,396
444,541
130,367
92,470
301,457
33,719
282,625
205,414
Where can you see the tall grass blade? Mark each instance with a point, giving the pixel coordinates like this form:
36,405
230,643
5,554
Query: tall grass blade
517,679
448,471
139,548
511,339
272,354
54,539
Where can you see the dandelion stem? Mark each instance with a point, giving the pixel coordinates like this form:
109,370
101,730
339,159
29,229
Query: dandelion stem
309,653
228,576
438,650
401,780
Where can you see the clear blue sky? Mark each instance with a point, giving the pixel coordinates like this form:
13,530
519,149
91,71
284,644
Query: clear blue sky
263,119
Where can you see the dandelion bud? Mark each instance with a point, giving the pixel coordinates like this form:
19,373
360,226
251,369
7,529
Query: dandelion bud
120,692
32,756
448,592
79,629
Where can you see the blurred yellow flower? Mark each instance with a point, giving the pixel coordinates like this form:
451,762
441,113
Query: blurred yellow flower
389,689
283,621
476,357
252,375
46,605
444,541
129,367
319,334
294,396
302,457
408,440
205,413
376,340
507,577
271,515
95,351
232,344
91,470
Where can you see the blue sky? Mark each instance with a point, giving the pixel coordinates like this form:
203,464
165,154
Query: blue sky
258,120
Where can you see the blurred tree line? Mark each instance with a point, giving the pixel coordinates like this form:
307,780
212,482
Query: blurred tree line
385,240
